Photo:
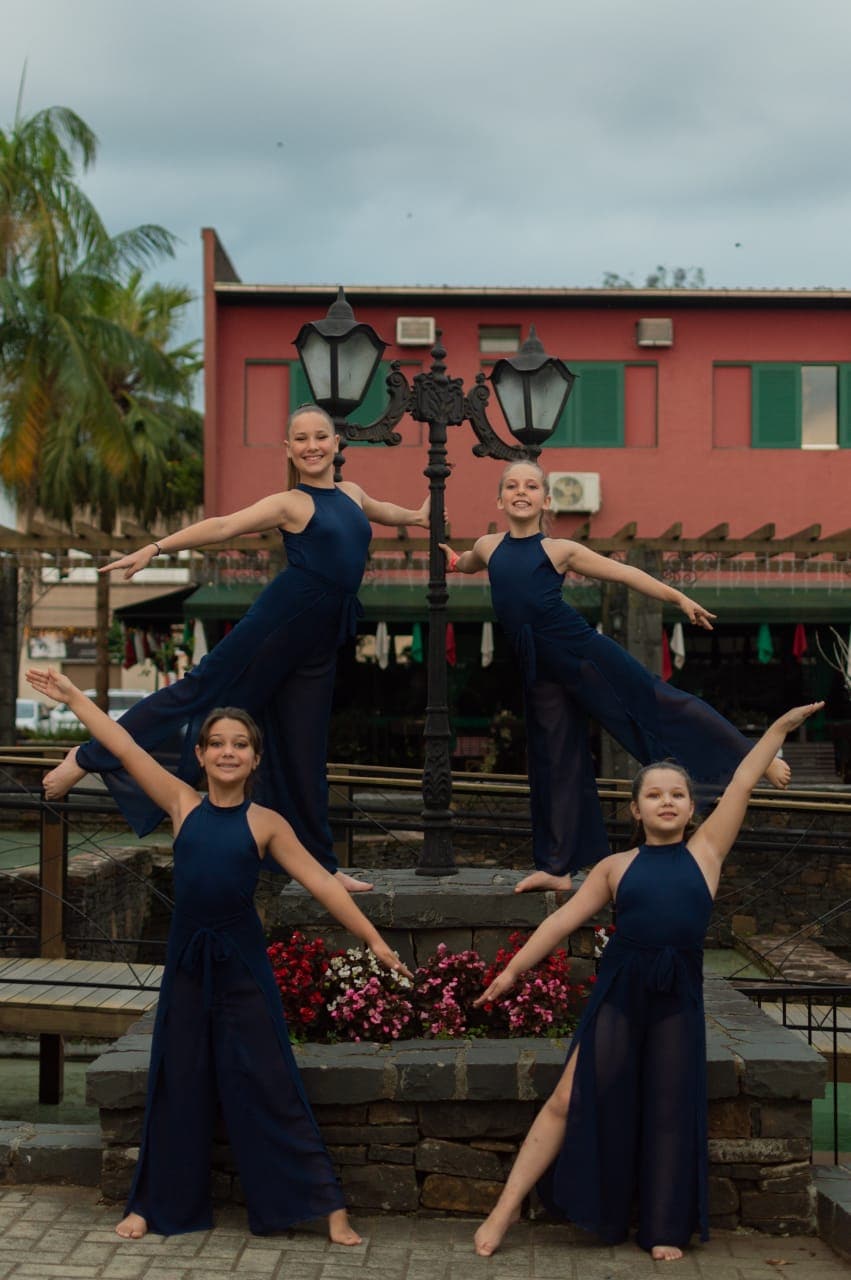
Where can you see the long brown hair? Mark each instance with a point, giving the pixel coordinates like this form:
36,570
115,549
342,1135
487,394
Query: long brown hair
544,522
293,478
249,724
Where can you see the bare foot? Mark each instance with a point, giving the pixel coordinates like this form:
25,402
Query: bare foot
778,773
340,1230
543,880
665,1253
490,1234
353,885
59,781
133,1227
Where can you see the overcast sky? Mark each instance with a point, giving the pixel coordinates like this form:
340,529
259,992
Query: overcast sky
460,141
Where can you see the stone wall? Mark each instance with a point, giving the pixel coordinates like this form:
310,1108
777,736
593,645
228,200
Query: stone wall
107,897
434,1126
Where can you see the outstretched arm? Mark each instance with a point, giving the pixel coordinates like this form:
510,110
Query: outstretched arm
388,512
581,559
472,561
287,850
172,795
268,513
590,898
715,836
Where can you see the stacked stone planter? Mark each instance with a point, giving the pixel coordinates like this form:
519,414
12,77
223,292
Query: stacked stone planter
433,1126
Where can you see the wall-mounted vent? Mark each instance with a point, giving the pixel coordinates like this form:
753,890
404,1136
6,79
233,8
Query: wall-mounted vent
577,491
415,331
654,333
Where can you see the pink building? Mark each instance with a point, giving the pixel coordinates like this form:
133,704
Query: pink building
692,410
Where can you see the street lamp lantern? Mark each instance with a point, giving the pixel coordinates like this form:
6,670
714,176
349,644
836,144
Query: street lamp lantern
339,355
532,389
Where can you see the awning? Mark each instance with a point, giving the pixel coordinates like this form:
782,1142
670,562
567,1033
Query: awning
158,611
470,602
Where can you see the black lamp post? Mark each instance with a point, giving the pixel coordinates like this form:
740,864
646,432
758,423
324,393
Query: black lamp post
533,389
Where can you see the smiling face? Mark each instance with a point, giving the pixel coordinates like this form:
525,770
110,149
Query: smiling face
311,444
227,751
524,493
664,804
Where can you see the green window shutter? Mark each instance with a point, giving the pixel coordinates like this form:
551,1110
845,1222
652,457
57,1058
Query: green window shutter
299,386
593,416
599,406
844,415
776,406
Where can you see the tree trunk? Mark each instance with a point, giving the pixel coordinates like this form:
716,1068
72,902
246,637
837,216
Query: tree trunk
8,646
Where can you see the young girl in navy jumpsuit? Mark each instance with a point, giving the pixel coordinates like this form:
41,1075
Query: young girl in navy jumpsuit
279,661
220,1034
628,1117
571,673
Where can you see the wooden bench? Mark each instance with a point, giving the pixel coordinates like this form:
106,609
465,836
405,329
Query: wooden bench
56,998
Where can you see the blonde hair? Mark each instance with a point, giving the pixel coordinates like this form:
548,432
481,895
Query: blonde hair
544,521
293,478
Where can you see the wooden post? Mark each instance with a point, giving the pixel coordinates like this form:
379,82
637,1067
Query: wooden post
53,867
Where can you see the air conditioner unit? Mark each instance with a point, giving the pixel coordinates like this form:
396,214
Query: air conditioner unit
575,491
415,331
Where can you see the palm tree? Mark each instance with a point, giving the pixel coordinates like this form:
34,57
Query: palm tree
64,340
150,462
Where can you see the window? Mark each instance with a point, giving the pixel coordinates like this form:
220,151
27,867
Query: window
801,406
499,338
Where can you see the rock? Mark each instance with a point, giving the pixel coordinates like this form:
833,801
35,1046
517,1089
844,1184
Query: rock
460,1195
436,1156
390,1187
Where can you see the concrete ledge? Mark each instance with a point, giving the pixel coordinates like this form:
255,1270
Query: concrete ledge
50,1153
833,1207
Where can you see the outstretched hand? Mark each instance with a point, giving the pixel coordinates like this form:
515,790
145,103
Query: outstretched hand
452,557
501,985
386,956
696,613
131,564
51,683
795,718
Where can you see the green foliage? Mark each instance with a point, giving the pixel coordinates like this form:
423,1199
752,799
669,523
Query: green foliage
662,278
95,398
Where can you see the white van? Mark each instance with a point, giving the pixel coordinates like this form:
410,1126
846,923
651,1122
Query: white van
31,715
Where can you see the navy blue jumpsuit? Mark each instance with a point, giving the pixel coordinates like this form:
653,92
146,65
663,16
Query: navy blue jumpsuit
636,1123
279,663
220,1041
571,673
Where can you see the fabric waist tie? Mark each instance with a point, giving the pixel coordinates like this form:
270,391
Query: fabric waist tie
351,608
668,968
205,948
524,643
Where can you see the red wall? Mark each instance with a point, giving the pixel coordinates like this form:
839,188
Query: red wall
700,469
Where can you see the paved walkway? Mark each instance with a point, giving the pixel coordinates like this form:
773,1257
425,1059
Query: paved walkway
64,1232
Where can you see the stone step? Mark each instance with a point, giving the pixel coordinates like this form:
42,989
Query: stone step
50,1153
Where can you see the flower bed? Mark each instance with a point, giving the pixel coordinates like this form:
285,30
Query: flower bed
333,995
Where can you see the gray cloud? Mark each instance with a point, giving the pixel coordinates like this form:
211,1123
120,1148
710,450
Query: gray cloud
462,142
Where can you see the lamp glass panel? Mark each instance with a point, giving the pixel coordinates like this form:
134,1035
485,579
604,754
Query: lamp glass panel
357,360
548,389
316,358
509,391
